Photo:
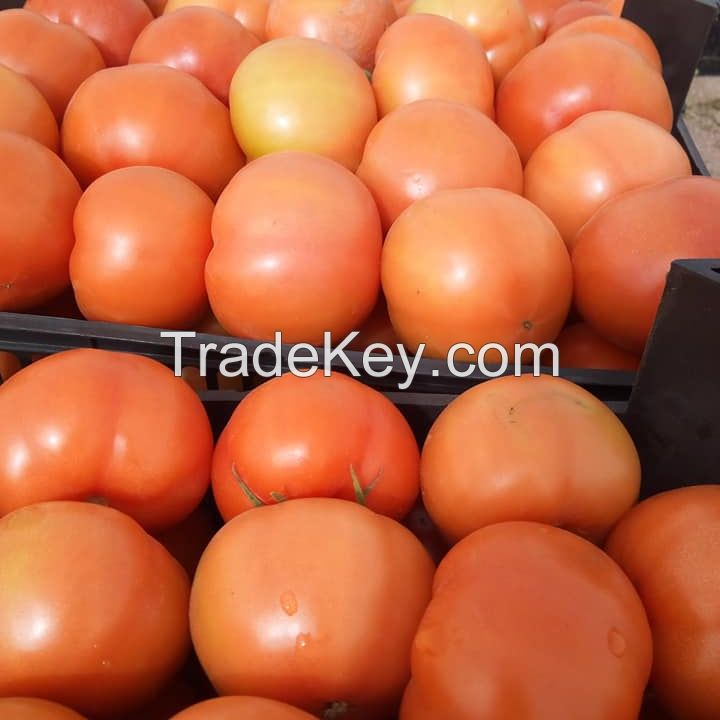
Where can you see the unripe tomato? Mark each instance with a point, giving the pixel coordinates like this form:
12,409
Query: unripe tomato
251,13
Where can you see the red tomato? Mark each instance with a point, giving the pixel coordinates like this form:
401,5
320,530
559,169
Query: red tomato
24,110
247,708
61,57
557,83
580,346
669,546
598,157
529,622
33,709
457,69
38,195
287,595
313,225
623,255
113,428
112,24
150,115
204,42
377,329
142,240
301,94
468,150
529,448
573,11
9,365
471,250
280,444
71,565
251,13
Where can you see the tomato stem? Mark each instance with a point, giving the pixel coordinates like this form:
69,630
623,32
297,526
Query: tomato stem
251,496
360,494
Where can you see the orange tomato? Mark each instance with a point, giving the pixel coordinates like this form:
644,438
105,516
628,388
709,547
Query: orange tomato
251,13
579,346
230,708
571,12
304,95
557,83
38,195
131,116
109,427
286,595
313,225
598,157
33,709
529,448
9,365
71,565
204,42
142,240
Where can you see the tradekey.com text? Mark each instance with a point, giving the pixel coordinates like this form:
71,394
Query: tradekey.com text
272,359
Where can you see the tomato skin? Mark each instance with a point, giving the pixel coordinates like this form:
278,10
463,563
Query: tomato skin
669,546
550,452
62,433
313,224
112,24
129,116
483,646
272,598
595,159
250,13
249,708
142,240
580,346
38,195
554,85
203,42
623,254
68,565
33,709
573,11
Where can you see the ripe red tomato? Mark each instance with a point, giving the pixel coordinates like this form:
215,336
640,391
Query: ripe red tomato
313,225
247,708
669,546
112,24
204,42
280,444
286,595
38,195
71,565
115,428
142,240
580,346
60,58
531,622
622,256
557,83
596,158
301,94
529,448
472,250
33,709
130,116
251,13
9,365
575,10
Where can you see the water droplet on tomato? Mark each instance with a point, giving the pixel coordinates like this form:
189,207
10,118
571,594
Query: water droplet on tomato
302,641
617,643
288,602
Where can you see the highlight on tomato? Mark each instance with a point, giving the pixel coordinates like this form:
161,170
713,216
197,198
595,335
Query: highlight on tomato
34,709
248,708
250,13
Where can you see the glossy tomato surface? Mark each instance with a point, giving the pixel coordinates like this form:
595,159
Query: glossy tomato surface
251,13
286,595
579,346
247,708
38,196
115,428
468,150
150,115
34,709
532,622
93,611
669,546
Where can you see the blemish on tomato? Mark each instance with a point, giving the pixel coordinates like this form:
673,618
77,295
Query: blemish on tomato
289,603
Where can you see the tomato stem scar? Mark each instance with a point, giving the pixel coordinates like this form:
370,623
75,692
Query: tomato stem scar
251,496
360,494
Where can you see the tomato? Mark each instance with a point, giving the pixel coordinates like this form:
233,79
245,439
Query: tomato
280,444
249,708
377,329
156,6
9,365
596,158
301,94
38,195
529,448
251,13
111,427
557,83
112,24
68,566
142,240
24,110
580,346
203,42
475,251
575,10
287,595
623,255
61,57
313,225
150,115
33,709
502,26
457,69
669,546
531,622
